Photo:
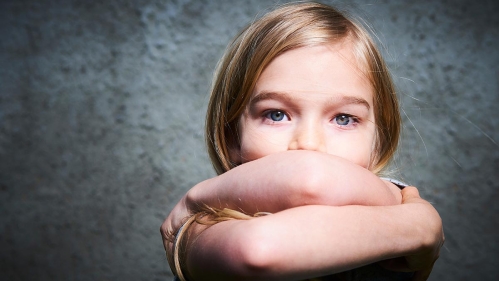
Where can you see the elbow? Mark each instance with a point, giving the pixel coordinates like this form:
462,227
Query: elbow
309,183
256,259
242,251
258,254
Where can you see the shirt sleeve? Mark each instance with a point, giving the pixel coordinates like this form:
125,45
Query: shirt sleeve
398,183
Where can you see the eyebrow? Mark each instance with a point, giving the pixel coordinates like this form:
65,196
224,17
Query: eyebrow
343,100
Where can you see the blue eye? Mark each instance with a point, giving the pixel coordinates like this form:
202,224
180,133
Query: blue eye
276,115
344,120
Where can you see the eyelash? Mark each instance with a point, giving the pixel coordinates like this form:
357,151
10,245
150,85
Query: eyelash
267,115
354,120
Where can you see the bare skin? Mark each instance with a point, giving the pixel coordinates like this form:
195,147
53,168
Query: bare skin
265,248
412,231
306,146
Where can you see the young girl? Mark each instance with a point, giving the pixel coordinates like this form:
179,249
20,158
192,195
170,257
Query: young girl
302,116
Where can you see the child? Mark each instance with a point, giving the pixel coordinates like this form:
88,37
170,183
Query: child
302,116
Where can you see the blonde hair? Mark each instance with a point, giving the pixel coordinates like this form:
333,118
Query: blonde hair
289,27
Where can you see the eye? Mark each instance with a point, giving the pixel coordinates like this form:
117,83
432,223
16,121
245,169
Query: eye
276,115
345,120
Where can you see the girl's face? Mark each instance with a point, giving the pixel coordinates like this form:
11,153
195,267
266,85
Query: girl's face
310,98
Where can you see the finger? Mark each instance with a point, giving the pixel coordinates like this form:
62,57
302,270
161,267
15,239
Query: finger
165,234
164,229
410,193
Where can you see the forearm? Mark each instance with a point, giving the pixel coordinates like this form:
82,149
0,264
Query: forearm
291,179
282,181
308,241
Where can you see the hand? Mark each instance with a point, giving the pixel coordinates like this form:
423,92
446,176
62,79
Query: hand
421,262
188,205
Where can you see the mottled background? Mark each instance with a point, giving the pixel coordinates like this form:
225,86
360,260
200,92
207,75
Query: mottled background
101,126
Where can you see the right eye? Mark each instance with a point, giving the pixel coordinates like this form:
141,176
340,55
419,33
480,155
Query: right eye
276,115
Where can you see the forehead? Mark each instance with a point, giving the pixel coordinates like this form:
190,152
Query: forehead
327,69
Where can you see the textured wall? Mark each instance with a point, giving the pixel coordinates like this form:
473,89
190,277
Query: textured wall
101,114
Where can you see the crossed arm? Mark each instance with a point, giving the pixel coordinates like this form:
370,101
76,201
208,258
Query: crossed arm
329,216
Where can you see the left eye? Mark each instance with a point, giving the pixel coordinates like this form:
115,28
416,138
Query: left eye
276,115
344,120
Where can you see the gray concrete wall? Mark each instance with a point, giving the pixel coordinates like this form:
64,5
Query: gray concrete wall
101,115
